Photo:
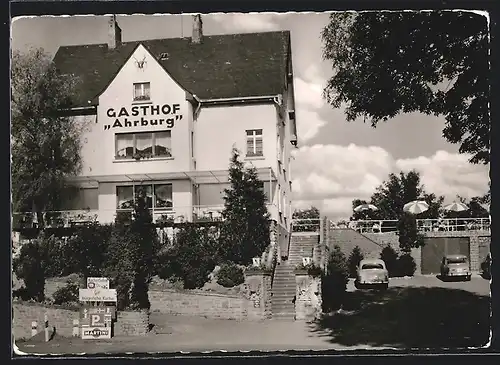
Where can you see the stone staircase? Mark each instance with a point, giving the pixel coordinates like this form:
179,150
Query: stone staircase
283,290
284,287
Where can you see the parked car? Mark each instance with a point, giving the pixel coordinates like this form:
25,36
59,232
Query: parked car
486,267
372,273
455,266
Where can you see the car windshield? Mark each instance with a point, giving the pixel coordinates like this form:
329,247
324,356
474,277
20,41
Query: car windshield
372,266
457,260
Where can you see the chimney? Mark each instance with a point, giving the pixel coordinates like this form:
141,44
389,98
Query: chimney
114,33
197,29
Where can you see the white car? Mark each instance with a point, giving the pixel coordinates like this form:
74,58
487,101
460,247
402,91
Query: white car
372,273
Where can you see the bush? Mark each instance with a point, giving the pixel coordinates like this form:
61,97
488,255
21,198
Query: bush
230,275
192,256
334,282
406,265
67,294
390,257
353,261
312,269
29,266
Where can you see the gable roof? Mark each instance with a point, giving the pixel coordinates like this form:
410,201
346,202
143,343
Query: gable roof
221,66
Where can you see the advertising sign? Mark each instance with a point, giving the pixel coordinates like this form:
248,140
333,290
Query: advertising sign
97,283
86,313
97,295
96,333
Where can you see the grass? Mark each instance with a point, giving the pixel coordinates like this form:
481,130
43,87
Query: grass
410,317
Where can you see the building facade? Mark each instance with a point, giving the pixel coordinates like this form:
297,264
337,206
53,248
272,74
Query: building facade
165,114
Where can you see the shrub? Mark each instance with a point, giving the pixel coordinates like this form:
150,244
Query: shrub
312,269
192,256
230,275
390,257
29,266
353,261
67,294
334,282
406,265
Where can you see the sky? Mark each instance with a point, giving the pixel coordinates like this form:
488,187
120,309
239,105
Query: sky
336,161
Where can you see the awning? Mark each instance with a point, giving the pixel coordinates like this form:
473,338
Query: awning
197,177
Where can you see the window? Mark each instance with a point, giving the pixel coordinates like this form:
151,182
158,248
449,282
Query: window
254,143
141,91
143,144
159,196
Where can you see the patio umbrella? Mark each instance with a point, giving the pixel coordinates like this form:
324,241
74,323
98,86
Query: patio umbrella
456,207
416,207
363,207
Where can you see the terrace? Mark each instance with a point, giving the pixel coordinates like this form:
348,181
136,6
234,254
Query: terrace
161,217
387,226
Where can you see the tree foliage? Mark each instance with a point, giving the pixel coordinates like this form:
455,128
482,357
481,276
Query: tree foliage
306,220
45,144
245,231
387,63
391,196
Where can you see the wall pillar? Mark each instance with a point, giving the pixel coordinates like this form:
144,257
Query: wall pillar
474,253
258,291
307,296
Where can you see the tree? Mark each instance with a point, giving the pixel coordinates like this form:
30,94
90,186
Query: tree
353,261
399,189
390,198
387,63
131,255
245,229
45,144
306,220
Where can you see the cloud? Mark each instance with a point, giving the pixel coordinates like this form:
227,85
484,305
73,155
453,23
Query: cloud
331,176
253,22
309,101
449,174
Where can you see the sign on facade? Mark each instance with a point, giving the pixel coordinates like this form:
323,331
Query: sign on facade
95,283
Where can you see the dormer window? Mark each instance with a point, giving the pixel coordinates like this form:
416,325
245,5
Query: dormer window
142,91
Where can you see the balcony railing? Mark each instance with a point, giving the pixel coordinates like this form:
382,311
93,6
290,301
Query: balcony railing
61,218
388,226
454,224
69,218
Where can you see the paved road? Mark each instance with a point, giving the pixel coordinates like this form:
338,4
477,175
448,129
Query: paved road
194,334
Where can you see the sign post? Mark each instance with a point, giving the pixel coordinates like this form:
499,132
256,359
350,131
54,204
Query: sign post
97,320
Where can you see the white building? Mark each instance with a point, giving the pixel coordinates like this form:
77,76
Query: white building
165,114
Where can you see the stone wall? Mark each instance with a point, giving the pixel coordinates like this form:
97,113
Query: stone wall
59,317
307,297
209,305
132,323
